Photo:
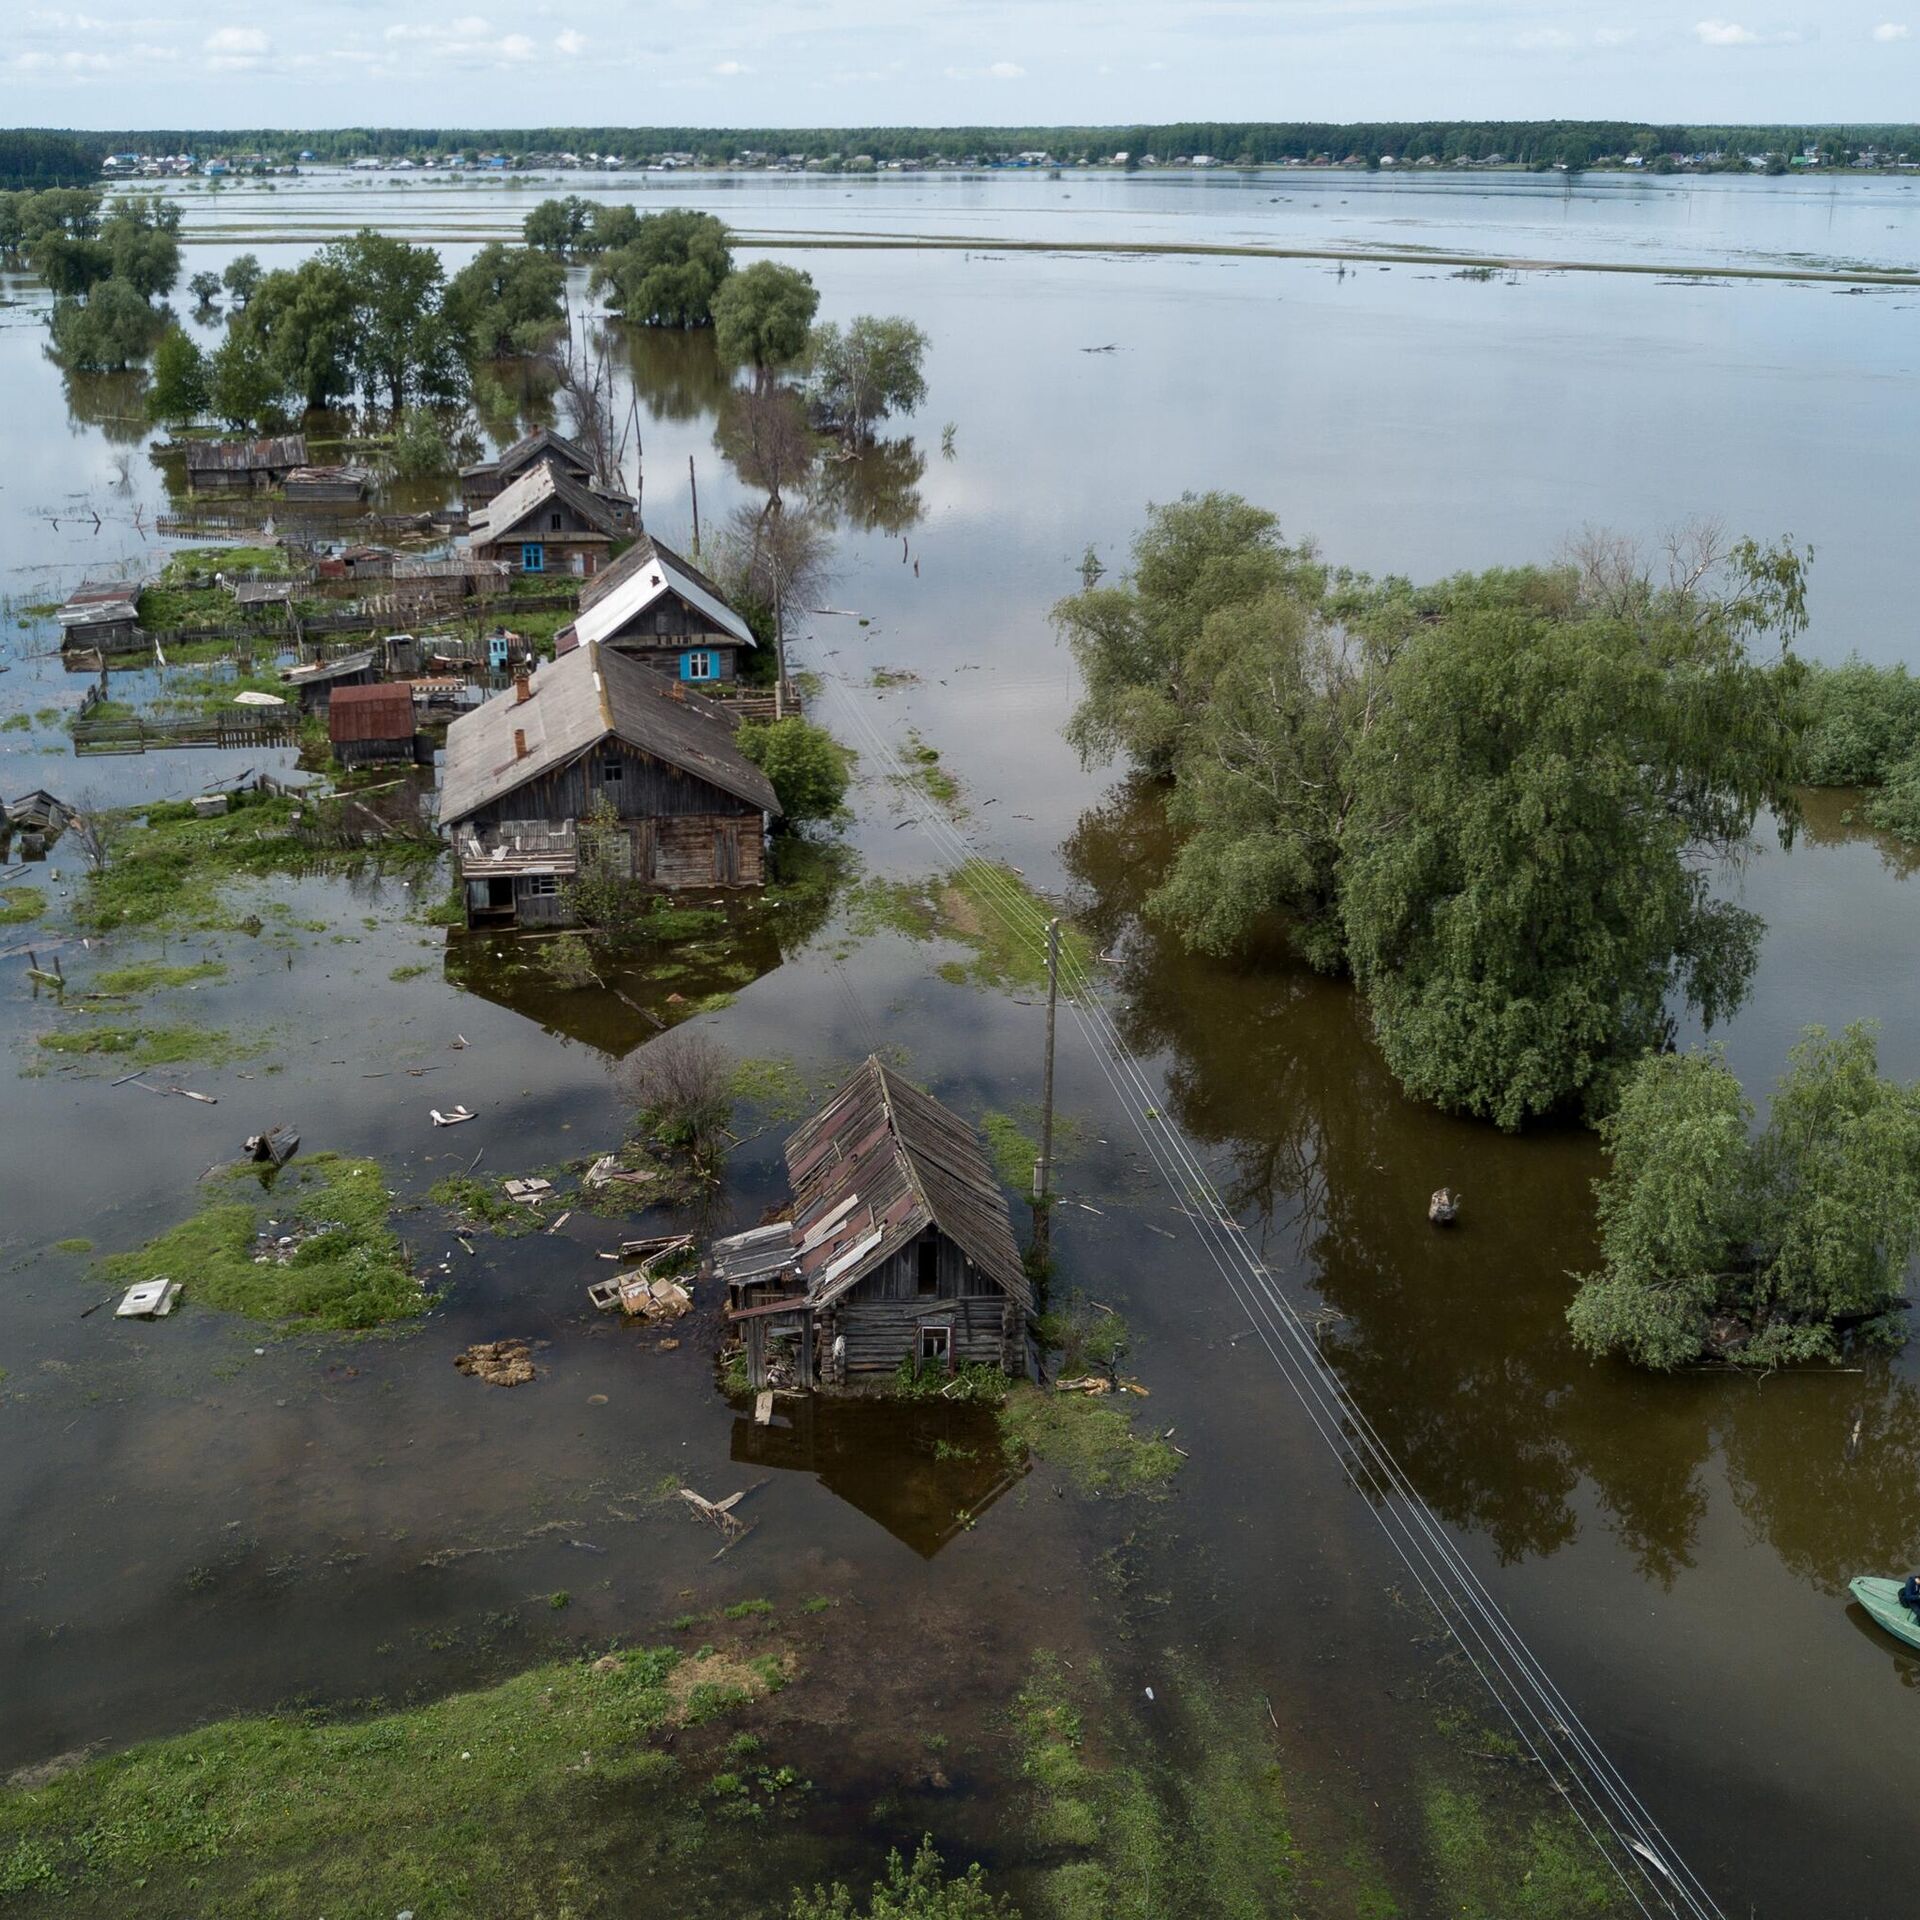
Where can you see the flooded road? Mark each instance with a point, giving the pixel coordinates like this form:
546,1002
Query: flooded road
201,1517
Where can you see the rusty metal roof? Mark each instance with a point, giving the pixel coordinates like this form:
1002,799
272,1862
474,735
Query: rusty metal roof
98,603
879,1163
243,456
381,712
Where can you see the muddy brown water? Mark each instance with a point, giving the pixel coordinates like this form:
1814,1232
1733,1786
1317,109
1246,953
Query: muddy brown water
203,1517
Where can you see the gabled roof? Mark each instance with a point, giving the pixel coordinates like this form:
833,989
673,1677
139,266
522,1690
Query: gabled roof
876,1166
641,575
528,495
577,701
242,456
534,445
382,711
100,603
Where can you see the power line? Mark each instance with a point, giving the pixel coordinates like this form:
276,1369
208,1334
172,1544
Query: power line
1646,1864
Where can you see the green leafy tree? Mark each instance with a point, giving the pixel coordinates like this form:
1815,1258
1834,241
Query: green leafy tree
112,328
507,300
1862,721
140,239
867,370
1523,880
177,391
242,277
806,764
404,350
920,1891
557,227
205,288
668,273
1765,1250
420,448
761,316
69,265
302,321
615,225
244,386
603,892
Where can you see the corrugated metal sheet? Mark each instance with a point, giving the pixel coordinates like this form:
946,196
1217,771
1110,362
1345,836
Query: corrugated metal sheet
100,603
577,701
246,456
382,712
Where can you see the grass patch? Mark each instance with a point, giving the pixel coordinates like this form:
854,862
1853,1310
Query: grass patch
974,1383
924,771
483,1204
19,905
152,976
1014,1151
17,723
1093,1443
73,1246
1495,1865
152,1046
459,1808
983,906
748,1609
410,972
348,1272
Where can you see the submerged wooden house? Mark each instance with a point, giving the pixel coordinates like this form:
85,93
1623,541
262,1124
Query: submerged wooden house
240,466
523,770
662,609
487,479
545,522
329,485
316,683
372,724
102,617
899,1247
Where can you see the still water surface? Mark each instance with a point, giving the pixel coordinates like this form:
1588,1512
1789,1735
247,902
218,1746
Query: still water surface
194,1526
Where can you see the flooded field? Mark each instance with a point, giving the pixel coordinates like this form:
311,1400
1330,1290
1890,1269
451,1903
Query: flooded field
207,1516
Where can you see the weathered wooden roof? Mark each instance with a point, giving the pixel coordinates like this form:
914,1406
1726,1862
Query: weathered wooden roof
321,671
100,603
383,711
528,495
577,701
532,446
879,1163
244,456
642,575
360,477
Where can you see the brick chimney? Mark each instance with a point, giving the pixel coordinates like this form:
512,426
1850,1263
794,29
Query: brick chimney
519,743
522,685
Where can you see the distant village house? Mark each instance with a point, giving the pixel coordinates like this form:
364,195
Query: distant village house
662,609
236,466
899,1248
523,770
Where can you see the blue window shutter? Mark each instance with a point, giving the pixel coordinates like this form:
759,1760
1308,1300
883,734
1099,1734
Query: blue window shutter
686,666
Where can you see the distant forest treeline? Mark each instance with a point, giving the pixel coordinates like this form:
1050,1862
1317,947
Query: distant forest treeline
25,158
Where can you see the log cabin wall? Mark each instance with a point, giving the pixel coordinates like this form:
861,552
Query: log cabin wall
639,786
881,1316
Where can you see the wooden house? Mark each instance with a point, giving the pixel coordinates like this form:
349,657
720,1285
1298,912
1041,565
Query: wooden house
339,485
899,1247
524,769
662,609
317,683
102,617
373,724
545,522
488,479
240,466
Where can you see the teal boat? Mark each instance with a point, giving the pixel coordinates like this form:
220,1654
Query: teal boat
1881,1599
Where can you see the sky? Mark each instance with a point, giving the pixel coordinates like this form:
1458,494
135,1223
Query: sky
310,63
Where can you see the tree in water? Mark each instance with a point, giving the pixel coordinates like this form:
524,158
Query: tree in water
1762,1251
864,372
761,317
668,273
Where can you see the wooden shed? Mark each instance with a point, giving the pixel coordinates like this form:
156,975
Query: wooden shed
239,466
373,724
317,683
102,617
343,485
546,522
523,770
661,608
899,1248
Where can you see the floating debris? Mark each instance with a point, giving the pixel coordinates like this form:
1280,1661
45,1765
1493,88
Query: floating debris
1444,1208
149,1300
452,1118
274,1148
500,1363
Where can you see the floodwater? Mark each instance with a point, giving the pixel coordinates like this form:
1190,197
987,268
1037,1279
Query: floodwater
202,1519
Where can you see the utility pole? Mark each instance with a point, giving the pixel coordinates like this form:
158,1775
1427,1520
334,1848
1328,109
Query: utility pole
694,484
1043,1167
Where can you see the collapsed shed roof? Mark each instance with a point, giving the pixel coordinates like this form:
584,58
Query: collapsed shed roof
246,456
577,701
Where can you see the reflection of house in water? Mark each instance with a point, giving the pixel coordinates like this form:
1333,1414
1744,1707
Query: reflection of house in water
652,990
923,1469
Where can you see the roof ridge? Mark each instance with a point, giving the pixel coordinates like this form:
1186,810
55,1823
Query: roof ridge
900,1146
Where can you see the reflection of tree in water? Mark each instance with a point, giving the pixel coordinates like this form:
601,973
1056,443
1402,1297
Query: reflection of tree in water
678,375
116,403
1453,1344
874,490
1829,1511
1836,817
514,397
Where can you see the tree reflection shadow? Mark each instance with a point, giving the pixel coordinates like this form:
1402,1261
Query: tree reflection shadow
116,403
874,489
678,375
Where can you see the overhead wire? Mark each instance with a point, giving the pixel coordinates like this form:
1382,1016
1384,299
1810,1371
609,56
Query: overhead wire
1646,1863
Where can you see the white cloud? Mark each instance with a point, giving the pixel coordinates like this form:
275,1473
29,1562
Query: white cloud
730,69
571,43
469,42
1729,33
1614,36
1891,30
1006,70
236,49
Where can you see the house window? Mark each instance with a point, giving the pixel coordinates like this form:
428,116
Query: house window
533,557
553,522
611,773
699,663
936,1347
927,1277
541,885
